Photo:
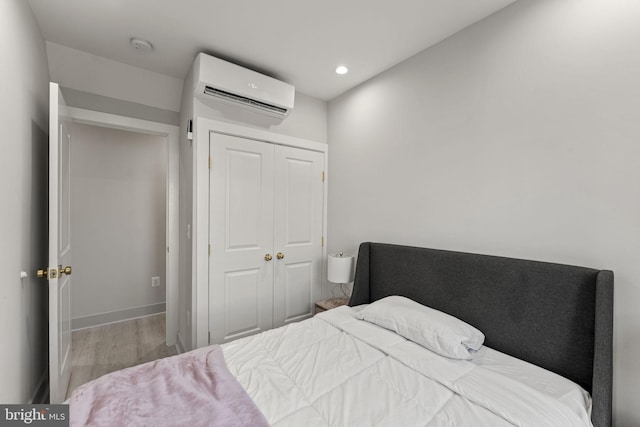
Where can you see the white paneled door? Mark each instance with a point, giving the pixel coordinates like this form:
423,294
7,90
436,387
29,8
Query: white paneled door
298,211
58,271
266,212
241,237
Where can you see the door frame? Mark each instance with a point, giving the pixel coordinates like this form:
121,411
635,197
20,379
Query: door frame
170,133
200,229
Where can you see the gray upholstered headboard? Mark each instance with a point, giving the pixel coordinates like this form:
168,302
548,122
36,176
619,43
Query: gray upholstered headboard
555,316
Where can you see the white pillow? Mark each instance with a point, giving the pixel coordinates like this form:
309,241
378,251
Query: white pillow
433,329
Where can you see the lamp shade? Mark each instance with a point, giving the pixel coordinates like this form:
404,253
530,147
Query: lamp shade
340,268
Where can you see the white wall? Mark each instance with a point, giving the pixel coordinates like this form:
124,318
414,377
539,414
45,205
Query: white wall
118,210
85,72
307,120
519,137
24,122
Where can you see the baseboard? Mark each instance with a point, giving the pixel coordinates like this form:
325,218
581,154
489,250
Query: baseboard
116,316
41,393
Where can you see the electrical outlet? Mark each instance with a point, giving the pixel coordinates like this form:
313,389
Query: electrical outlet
155,282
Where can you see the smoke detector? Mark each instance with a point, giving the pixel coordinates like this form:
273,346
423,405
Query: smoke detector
140,45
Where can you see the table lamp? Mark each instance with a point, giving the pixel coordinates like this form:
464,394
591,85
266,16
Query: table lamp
340,271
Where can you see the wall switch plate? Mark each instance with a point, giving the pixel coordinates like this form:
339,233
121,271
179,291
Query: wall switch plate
155,282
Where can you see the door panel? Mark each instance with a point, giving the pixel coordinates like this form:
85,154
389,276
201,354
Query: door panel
241,234
64,207
298,207
298,201
298,285
243,192
60,254
241,288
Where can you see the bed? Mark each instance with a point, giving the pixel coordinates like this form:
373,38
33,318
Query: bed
546,358
554,316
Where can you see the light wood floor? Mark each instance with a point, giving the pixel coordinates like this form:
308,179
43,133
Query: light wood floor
103,349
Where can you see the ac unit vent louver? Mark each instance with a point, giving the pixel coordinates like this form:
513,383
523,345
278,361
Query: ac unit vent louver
208,90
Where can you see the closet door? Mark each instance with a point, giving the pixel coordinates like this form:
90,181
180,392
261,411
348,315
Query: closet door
298,209
241,234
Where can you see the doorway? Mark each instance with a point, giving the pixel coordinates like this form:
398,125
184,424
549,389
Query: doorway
124,221
118,200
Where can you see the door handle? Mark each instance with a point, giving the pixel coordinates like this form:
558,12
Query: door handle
279,255
45,273
268,257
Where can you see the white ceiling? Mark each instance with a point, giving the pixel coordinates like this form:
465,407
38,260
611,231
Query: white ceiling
298,41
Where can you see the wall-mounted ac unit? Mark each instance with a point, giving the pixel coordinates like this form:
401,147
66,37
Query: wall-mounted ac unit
241,94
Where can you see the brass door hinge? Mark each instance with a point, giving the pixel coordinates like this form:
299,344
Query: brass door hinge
323,241
209,338
209,162
322,176
209,249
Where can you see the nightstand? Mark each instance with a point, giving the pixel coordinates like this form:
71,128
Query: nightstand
328,304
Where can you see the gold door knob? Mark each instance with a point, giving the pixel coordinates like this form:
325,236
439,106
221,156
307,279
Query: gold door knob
279,255
268,257
66,270
43,273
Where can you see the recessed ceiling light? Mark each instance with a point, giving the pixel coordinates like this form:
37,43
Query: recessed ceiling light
141,45
342,70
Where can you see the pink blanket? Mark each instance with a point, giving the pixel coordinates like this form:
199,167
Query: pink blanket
192,389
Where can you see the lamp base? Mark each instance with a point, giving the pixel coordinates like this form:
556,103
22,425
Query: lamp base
344,290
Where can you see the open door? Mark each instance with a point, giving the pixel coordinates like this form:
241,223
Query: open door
59,267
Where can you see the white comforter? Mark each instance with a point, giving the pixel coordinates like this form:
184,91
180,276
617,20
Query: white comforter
335,370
